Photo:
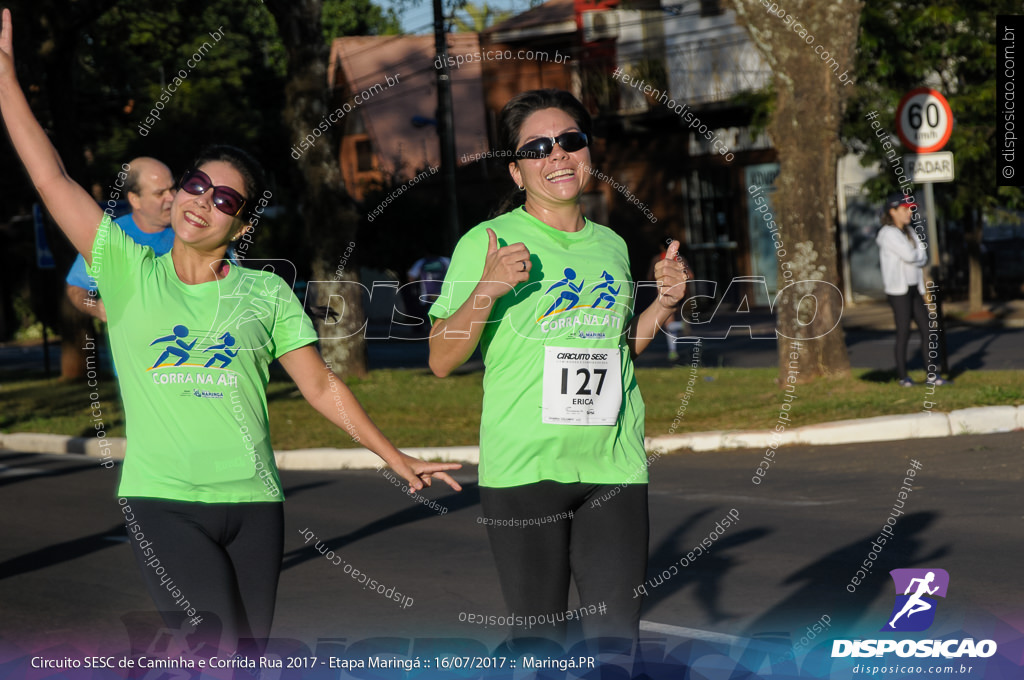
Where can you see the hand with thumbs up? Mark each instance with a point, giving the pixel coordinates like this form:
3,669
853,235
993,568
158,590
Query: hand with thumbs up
671,275
504,267
453,340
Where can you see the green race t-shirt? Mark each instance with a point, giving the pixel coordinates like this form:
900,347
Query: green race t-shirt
192,366
561,401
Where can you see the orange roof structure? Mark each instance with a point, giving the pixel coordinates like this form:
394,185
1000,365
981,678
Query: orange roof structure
396,117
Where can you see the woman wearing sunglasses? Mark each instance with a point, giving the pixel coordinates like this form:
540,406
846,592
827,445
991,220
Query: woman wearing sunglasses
548,295
193,336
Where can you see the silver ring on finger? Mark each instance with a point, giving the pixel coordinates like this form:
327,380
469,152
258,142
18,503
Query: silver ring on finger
524,265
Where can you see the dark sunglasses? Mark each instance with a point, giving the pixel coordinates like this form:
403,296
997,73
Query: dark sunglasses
542,147
225,199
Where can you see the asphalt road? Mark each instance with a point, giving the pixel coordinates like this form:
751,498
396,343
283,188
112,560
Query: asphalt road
67,576
970,348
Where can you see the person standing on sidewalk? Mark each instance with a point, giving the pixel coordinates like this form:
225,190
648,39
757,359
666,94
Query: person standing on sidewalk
547,294
902,255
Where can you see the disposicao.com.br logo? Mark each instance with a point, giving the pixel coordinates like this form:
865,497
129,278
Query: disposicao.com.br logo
914,611
924,583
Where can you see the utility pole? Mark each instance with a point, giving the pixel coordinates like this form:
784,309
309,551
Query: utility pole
446,128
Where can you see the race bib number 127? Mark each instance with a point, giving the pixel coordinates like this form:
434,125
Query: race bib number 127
582,386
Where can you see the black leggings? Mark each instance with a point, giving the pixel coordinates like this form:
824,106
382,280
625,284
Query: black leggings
603,546
222,559
905,306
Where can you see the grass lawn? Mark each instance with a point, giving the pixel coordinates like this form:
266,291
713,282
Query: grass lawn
416,409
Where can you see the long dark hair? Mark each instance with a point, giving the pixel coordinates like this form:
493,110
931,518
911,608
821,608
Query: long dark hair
515,113
520,107
887,221
887,218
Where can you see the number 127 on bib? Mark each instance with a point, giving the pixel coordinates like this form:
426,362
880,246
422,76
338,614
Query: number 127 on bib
582,386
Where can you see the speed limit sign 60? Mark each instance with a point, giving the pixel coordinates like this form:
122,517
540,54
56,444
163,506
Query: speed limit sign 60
924,120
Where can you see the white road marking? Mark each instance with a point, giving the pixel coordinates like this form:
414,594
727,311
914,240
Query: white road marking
690,633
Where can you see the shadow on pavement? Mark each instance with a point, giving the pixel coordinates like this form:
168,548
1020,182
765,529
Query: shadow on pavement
468,497
9,478
973,361
706,572
61,552
824,589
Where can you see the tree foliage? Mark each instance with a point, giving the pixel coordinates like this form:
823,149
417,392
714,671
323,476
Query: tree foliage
232,94
949,45
358,17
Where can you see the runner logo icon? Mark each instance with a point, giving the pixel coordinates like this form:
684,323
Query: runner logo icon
914,609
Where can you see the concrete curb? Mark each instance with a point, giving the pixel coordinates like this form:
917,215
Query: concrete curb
32,442
981,420
297,459
363,459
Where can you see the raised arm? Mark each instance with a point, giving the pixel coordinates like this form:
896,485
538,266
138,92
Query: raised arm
453,340
332,398
670,273
74,210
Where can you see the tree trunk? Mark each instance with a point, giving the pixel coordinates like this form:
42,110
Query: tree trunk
805,132
328,219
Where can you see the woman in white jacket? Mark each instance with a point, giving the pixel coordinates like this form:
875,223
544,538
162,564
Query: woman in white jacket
903,255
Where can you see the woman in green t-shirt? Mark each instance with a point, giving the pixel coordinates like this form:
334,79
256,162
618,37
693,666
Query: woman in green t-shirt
547,295
193,336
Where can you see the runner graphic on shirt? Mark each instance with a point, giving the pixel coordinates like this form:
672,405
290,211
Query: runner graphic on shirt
180,349
606,295
570,296
226,341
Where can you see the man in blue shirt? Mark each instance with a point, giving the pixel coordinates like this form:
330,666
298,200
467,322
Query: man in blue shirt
150,189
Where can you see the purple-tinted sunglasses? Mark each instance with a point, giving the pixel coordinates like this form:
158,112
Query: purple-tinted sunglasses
225,199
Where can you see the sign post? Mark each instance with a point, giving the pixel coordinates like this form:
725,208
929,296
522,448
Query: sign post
924,123
929,167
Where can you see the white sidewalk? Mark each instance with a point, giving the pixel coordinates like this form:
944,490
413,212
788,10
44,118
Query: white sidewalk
981,420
